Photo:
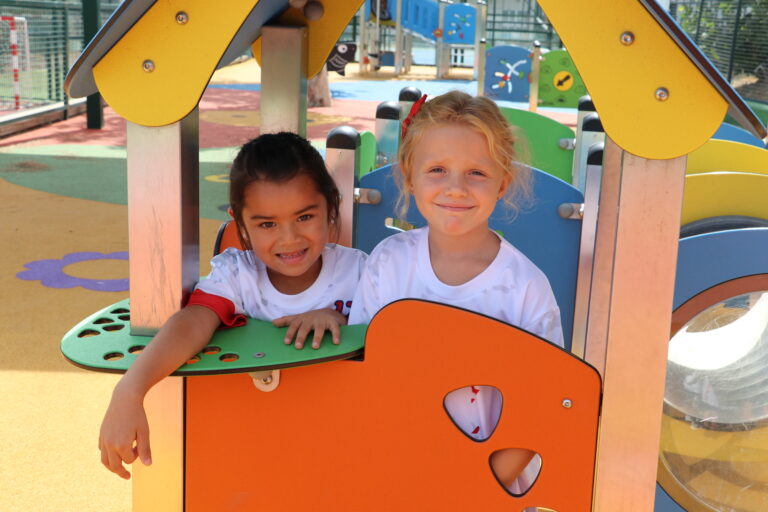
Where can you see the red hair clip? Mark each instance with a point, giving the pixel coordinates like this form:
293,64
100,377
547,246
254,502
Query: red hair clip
414,110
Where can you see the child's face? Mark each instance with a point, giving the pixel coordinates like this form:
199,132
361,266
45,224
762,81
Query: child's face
454,180
287,224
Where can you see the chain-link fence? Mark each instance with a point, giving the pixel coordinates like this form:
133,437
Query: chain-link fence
734,35
520,27
39,41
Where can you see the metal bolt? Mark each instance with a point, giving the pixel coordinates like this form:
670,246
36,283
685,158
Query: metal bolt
182,18
148,66
259,354
567,403
313,10
662,94
627,38
267,380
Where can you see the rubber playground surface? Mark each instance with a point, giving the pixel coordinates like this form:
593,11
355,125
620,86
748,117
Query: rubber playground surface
64,231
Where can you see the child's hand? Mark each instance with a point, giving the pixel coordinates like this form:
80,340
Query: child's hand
124,423
319,321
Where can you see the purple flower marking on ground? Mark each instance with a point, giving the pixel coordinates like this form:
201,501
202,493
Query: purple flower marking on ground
51,273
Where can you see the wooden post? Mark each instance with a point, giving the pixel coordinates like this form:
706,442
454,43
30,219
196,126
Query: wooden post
629,318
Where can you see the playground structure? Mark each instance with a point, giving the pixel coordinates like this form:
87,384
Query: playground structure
511,75
621,287
448,26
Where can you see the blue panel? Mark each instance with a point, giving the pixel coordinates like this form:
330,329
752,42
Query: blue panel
551,242
704,261
459,24
387,58
736,134
664,503
507,69
420,16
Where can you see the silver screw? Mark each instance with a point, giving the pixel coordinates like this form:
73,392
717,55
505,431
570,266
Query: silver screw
259,354
148,66
662,94
182,18
267,380
567,403
627,38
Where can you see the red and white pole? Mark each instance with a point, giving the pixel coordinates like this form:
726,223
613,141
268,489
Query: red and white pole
14,60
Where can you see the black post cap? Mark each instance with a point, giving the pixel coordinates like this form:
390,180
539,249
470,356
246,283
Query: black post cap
409,94
585,104
388,110
595,154
343,137
592,123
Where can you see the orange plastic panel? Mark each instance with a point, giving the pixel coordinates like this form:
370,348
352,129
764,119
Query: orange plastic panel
373,435
227,238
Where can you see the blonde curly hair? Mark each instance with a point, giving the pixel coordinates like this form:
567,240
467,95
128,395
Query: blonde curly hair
480,114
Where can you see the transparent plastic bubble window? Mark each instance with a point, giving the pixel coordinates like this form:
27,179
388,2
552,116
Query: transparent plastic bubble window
714,442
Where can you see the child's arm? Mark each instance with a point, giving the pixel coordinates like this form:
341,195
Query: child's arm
124,432
319,321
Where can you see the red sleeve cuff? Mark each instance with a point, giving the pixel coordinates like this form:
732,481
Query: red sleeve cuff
224,308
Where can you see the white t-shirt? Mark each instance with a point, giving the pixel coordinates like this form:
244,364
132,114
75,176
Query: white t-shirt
241,279
511,289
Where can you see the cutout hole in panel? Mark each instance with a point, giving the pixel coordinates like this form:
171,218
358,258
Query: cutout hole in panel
120,311
193,360
113,327
228,358
516,469
136,349
124,317
475,410
103,321
211,350
88,333
113,356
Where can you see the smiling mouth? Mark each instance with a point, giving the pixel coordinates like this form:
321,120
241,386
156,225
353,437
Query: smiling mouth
454,207
292,257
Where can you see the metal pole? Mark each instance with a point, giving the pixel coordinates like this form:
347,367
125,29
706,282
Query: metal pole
399,38
65,58
440,70
91,23
493,29
481,8
342,157
377,35
698,22
533,92
735,37
284,79
57,64
363,39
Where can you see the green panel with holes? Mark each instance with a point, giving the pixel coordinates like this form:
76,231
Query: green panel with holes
103,342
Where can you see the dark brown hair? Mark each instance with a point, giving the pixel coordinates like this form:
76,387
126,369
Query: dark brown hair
279,157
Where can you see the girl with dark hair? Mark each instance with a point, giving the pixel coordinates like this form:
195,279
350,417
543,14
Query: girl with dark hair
286,208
